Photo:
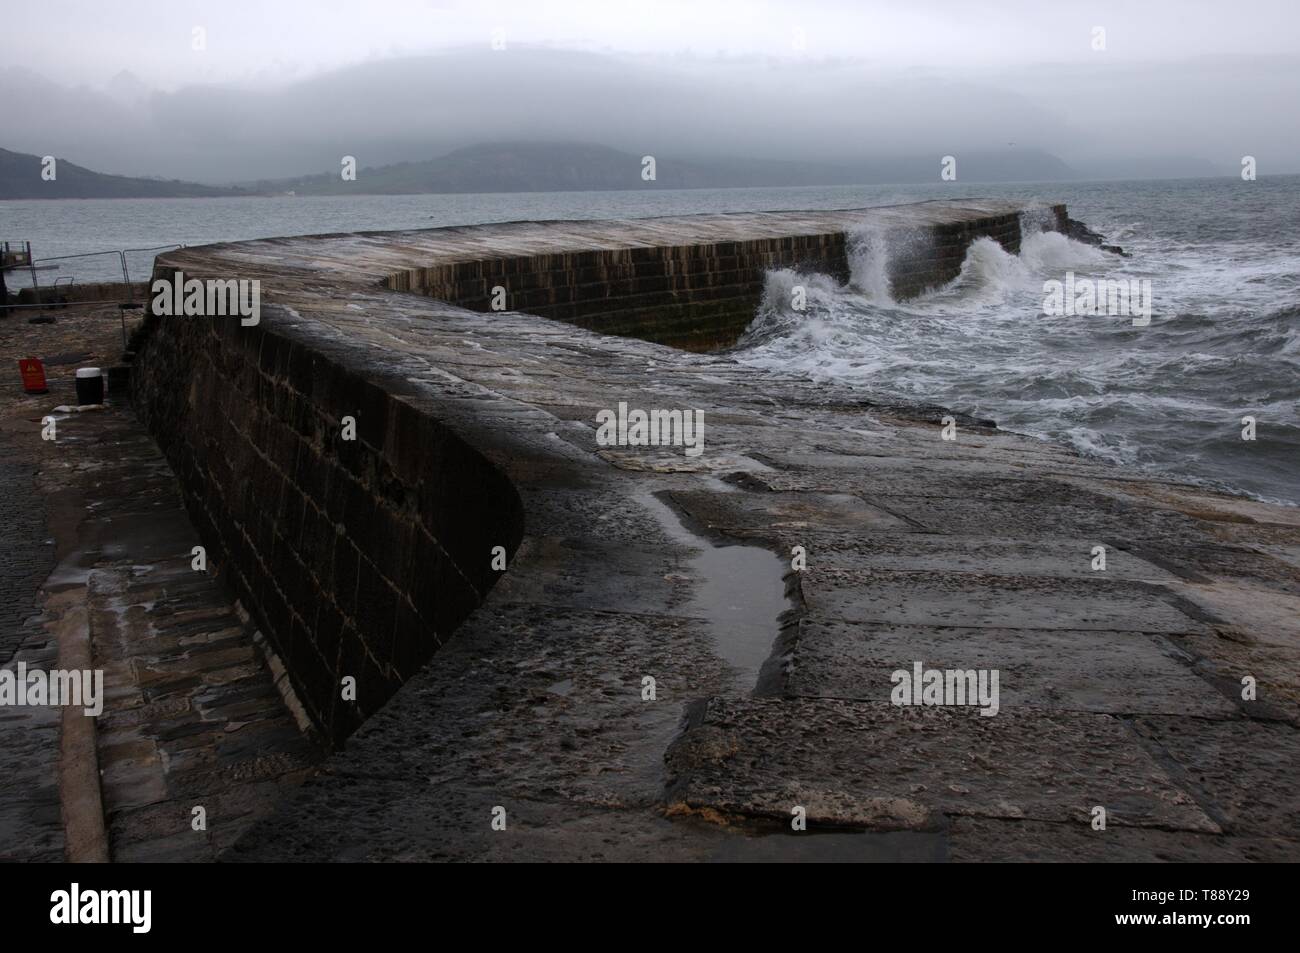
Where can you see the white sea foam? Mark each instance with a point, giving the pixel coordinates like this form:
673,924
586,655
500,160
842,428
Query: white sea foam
1223,342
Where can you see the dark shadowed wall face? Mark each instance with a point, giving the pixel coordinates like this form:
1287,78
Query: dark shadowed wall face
698,297
357,558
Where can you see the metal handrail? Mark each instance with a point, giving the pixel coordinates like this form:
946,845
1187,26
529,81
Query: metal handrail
50,305
126,278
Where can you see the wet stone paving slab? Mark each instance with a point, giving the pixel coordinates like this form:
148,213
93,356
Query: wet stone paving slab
893,547
598,699
192,716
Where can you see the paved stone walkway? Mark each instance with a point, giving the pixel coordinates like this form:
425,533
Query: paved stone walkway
26,557
1121,689
31,824
193,717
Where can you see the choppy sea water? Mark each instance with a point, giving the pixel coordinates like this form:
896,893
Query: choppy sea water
1222,256
1223,342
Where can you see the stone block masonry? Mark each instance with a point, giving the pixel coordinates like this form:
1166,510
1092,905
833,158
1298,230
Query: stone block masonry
190,716
1120,689
698,295
359,557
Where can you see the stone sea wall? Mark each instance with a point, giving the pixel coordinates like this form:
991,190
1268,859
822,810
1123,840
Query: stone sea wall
355,557
358,558
654,676
701,296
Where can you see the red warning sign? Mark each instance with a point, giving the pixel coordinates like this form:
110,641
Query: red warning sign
33,376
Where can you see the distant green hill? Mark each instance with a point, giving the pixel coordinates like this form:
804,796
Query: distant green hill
559,167
20,178
538,167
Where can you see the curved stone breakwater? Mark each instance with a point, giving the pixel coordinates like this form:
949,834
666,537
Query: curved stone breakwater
581,704
692,282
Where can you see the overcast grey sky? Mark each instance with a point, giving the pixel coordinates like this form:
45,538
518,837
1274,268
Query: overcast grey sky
283,87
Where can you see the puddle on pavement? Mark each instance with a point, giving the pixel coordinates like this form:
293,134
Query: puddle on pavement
738,589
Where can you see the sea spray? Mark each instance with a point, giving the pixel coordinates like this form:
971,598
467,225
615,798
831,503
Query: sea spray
869,263
1036,221
1165,396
